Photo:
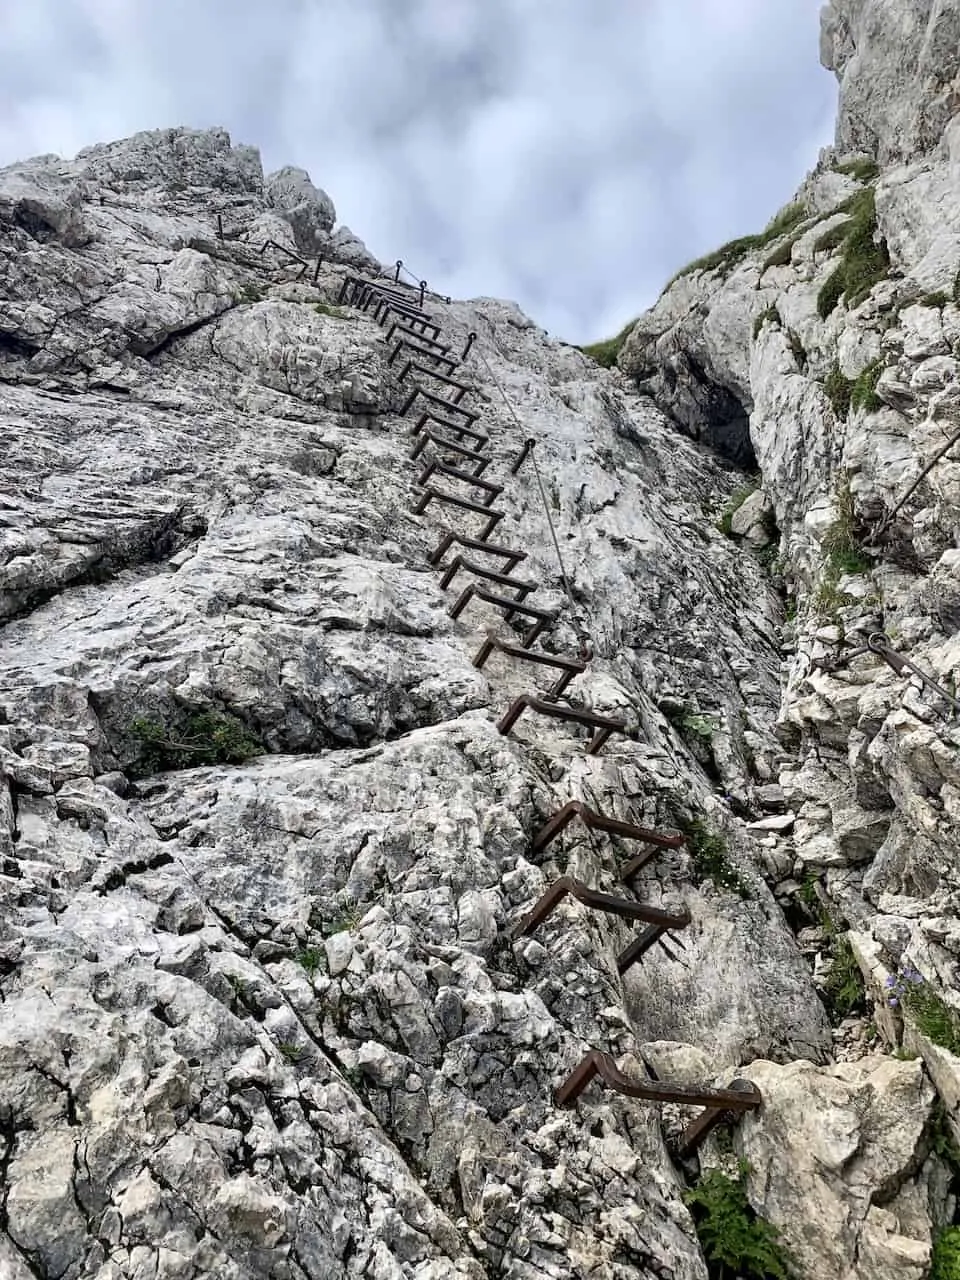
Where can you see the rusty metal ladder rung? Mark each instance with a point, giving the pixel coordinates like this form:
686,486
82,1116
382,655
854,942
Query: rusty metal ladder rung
569,667
414,318
510,554
431,397
459,562
398,327
657,920
480,438
543,617
424,352
435,466
481,460
743,1095
454,500
462,388
605,726
600,822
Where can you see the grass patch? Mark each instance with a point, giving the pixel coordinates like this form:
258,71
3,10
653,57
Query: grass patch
326,309
863,170
956,288
938,299
863,393
831,238
606,353
736,1242
733,252
209,737
770,316
312,959
843,989
840,541
934,1017
708,850
839,389
725,523
864,262
831,291
249,293
945,1260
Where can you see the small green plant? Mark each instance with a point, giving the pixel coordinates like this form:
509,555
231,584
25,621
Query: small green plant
290,1050
864,170
770,316
736,1242
945,1260
865,260
702,727
209,737
863,393
348,920
797,349
843,988
605,353
312,959
839,389
325,309
938,299
708,850
840,542
733,252
725,523
249,293
956,288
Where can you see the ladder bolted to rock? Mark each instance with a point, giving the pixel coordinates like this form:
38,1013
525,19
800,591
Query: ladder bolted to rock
742,1095
451,428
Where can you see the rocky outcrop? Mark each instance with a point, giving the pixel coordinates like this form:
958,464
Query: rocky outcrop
263,848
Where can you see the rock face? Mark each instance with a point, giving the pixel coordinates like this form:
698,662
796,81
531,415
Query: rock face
264,845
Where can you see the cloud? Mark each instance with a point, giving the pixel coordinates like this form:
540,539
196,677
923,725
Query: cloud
569,156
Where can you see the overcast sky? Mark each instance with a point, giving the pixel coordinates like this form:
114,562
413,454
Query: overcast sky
569,154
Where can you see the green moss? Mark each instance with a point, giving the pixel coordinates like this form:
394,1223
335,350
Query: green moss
606,353
839,389
733,252
725,523
209,737
945,1261
863,394
708,851
865,261
863,170
736,1242
770,316
843,989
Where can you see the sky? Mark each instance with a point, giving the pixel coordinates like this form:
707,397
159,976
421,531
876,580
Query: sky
568,154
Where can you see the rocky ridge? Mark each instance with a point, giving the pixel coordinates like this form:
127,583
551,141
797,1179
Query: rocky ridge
263,1016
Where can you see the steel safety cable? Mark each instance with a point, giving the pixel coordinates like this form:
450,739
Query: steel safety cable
578,627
